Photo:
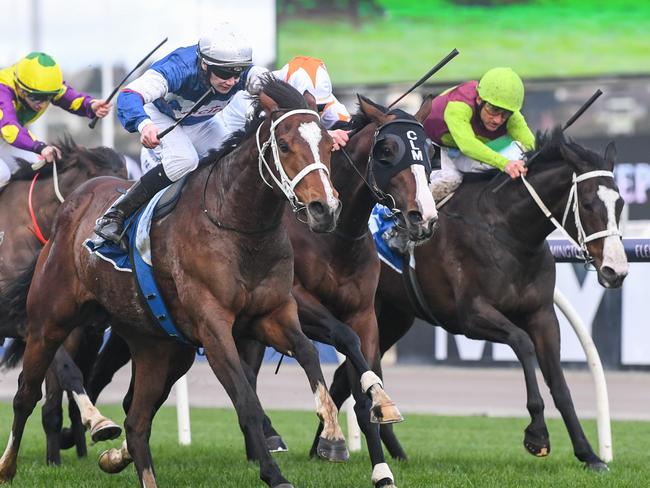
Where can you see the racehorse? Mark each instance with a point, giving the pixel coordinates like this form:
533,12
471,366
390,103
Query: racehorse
27,209
224,265
488,274
336,275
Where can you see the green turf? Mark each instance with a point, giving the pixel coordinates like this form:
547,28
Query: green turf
445,452
538,39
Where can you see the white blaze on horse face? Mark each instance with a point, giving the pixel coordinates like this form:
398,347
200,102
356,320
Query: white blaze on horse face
423,196
311,132
613,250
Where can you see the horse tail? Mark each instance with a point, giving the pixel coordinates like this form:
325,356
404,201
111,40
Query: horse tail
13,354
13,303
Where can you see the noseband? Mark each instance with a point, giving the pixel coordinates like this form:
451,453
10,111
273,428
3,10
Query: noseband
286,184
572,204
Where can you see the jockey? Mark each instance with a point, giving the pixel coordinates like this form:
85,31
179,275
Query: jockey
222,61
304,74
479,127
26,90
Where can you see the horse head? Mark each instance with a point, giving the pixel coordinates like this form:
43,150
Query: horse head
301,150
399,167
597,205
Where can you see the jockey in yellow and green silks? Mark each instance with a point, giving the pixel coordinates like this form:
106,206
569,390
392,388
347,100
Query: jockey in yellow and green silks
26,90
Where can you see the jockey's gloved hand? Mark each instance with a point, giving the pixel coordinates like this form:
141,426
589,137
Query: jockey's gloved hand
51,153
515,169
101,108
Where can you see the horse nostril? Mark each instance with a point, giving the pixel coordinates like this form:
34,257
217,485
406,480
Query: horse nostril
317,209
414,217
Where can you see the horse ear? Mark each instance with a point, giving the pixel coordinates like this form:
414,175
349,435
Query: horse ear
569,154
371,111
424,110
311,100
610,154
268,103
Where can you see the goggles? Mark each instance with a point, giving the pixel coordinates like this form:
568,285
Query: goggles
39,97
226,73
495,111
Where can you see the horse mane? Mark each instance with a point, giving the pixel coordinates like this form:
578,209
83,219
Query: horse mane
549,146
71,154
359,120
287,98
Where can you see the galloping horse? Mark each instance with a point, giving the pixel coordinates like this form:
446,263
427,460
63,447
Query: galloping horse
224,264
488,274
336,275
27,209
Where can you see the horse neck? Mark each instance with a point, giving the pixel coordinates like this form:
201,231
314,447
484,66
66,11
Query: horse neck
525,220
356,198
237,193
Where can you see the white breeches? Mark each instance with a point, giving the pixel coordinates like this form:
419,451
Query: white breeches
8,165
180,150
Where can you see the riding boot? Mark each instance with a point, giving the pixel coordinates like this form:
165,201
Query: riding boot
111,225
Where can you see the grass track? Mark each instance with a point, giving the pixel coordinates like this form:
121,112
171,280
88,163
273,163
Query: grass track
445,452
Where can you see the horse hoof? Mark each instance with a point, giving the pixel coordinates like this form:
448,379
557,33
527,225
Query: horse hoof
105,430
387,413
66,438
537,445
335,451
112,461
385,483
597,466
275,444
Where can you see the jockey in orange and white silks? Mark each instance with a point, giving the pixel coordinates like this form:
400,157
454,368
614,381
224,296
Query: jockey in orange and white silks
221,61
304,74
479,127
26,90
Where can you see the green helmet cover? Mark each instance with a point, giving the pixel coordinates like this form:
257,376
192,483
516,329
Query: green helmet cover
503,88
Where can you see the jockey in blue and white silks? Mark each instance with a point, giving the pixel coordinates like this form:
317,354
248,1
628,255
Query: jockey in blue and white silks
153,102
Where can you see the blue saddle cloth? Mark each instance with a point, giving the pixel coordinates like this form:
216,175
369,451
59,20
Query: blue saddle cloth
381,220
138,258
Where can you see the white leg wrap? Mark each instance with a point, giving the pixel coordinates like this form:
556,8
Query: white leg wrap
381,471
368,379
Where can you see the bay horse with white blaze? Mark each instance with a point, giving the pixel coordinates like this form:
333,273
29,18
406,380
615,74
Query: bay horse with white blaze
224,265
488,274
27,209
336,275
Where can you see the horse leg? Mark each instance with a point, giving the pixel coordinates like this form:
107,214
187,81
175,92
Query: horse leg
52,417
484,322
251,353
281,330
215,333
111,358
141,407
71,379
544,330
39,352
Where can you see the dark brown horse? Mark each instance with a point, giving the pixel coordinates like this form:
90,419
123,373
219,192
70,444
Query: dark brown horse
224,264
27,208
488,274
336,275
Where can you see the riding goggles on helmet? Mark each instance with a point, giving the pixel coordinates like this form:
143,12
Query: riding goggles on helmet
39,97
495,111
225,73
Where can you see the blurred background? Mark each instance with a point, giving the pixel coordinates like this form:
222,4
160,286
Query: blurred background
564,50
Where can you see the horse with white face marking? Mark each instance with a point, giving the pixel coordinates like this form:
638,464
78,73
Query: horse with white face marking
488,273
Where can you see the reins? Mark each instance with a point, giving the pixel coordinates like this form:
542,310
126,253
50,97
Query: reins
36,229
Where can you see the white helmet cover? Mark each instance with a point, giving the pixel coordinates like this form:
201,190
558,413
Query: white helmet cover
225,47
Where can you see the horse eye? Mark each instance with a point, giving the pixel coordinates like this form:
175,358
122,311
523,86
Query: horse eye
283,146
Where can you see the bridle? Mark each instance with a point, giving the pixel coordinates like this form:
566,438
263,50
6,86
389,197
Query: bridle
284,183
573,204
